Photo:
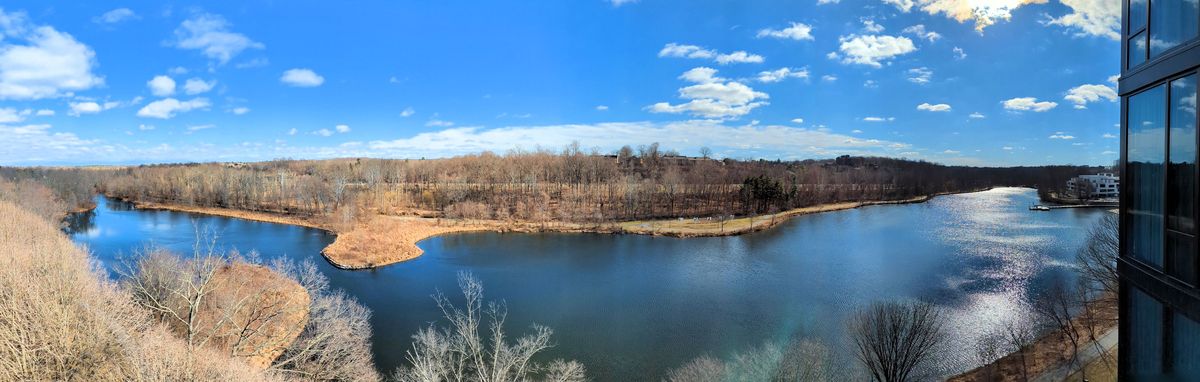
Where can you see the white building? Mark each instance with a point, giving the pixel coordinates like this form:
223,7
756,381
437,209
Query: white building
1099,186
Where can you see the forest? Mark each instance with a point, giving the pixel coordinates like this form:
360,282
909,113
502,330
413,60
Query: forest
571,185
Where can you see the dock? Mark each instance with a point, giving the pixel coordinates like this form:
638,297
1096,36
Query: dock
1041,207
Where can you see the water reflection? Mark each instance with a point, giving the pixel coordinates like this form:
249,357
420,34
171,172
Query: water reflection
631,307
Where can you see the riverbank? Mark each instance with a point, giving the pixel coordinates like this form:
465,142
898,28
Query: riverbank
385,239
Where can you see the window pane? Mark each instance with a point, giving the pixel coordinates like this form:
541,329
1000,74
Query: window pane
1145,178
1181,176
1137,49
1183,257
1185,344
1137,14
1172,22
1145,334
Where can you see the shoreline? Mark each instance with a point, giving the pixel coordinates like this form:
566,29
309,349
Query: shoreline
386,239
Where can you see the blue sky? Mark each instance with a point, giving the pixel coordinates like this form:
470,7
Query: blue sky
1005,82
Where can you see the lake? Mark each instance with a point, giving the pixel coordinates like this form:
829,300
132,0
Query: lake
632,307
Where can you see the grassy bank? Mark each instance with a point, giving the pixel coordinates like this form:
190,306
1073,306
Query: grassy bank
384,239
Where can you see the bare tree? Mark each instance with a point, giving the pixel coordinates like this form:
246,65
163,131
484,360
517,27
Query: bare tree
464,352
893,340
1097,259
1055,305
1019,336
798,360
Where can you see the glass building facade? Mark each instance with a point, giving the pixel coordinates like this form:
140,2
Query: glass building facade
1160,298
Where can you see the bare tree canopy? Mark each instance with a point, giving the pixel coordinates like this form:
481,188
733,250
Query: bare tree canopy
800,360
1097,259
893,340
462,351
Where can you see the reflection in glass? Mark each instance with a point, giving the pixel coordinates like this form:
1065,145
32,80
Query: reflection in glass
1145,334
1137,49
1185,346
1137,14
1183,257
1181,169
1146,120
1172,22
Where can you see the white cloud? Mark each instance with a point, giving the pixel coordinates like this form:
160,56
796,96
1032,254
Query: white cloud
797,120
701,75
44,113
210,34
1092,18
977,115
869,26
240,110
292,131
872,50
1007,148
750,140
941,107
145,127
1108,136
829,78
797,31
1061,135
40,62
305,78
116,16
959,54
342,128
200,127
692,51
983,13
1028,104
617,3
195,86
407,112
1114,79
951,152
438,123
80,108
856,131
878,119
920,75
161,86
870,84
601,108
823,2
323,132
782,74
1083,94
712,99
167,108
11,115
36,143
919,31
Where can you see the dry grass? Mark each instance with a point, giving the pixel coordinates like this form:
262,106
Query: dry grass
1046,353
60,319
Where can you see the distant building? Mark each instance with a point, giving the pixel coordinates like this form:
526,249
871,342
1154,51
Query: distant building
1099,186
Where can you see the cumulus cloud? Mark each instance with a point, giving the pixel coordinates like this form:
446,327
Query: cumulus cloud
797,120
977,115
872,50
601,108
323,132
304,78
1108,136
407,112
1028,104
210,34
959,54
12,115
941,107
749,140
37,144
1092,18
44,113
168,107
781,74
829,78
342,128
1061,135
618,3
116,16
195,86
161,86
1083,94
796,31
712,98
869,26
240,110
878,119
693,51
982,13
438,123
38,61
919,31
920,75
80,108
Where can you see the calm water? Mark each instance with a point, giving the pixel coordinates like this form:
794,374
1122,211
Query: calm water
631,307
